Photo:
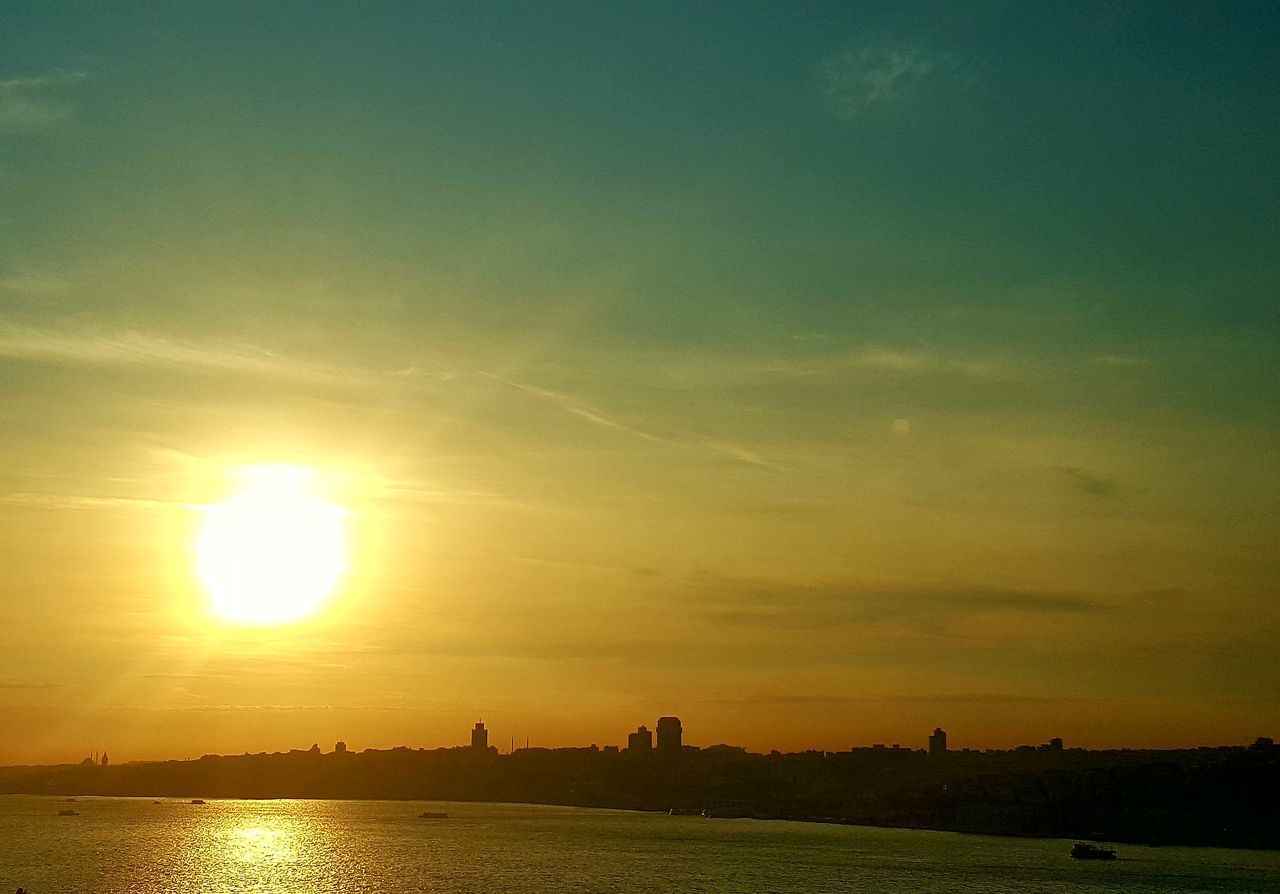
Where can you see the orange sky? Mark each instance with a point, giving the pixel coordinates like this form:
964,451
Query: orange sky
819,378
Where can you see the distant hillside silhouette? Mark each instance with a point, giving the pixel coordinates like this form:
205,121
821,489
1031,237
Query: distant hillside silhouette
1207,796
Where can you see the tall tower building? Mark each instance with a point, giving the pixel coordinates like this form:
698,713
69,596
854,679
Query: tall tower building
480,737
640,740
669,735
938,741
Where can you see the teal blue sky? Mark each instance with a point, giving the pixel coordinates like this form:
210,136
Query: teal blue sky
913,361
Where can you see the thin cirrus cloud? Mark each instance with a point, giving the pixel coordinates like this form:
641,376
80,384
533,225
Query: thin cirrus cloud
1121,360
1091,483
873,75
135,348
892,362
961,698
26,283
739,453
61,501
711,371
573,406
748,602
34,104
576,407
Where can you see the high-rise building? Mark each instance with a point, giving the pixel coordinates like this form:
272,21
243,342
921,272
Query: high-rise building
340,747
640,740
480,737
669,734
938,741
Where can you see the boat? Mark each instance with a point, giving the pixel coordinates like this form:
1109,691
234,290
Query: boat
1083,850
68,812
197,801
432,814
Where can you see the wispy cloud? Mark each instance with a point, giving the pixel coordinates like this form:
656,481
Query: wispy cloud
52,79
33,104
774,604
32,284
886,361
79,501
591,414
135,348
873,75
578,408
736,452
896,361
1092,484
10,684
981,698
411,492
1121,360
921,362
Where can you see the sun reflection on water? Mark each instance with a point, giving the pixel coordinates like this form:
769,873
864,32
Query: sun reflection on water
134,846
260,844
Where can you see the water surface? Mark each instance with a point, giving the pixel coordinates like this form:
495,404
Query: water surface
309,847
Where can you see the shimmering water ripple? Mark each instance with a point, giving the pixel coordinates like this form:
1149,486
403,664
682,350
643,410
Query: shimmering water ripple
308,847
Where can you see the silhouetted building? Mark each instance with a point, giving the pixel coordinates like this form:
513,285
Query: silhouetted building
480,737
669,734
105,761
640,740
340,748
723,749
938,741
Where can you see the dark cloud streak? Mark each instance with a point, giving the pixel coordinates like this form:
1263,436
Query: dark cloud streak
1094,485
804,606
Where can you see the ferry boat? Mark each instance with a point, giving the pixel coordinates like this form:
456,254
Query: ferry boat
1083,850
432,814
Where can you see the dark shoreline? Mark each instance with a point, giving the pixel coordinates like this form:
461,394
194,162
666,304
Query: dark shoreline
1209,797
794,819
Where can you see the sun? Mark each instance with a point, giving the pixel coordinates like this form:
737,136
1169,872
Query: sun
274,551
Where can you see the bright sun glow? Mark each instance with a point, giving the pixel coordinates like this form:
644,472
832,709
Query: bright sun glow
274,551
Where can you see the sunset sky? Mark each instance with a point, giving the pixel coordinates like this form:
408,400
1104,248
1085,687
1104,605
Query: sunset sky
819,373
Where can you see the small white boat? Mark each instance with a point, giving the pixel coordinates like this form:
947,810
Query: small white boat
1083,850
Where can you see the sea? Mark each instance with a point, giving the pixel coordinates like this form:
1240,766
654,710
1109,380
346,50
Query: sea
334,847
